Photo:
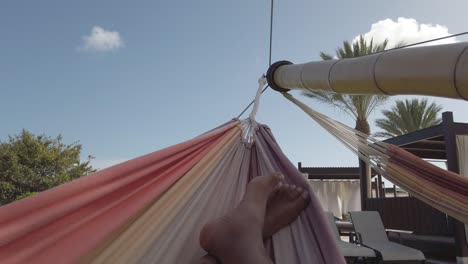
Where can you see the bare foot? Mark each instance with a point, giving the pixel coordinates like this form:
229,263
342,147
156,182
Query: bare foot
237,236
283,207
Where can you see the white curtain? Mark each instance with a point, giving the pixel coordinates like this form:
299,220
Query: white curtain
338,196
462,147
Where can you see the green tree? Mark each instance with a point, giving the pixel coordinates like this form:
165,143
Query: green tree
30,164
359,107
408,116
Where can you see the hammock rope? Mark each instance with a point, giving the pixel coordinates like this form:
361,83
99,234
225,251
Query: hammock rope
249,125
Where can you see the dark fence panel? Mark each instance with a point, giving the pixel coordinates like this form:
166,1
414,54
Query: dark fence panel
408,213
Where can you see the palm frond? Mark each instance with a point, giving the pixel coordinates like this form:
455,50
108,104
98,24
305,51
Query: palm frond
406,116
325,56
383,135
336,100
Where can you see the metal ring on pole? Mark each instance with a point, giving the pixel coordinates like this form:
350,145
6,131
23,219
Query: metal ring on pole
271,73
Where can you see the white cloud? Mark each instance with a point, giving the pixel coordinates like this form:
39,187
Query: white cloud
100,39
407,31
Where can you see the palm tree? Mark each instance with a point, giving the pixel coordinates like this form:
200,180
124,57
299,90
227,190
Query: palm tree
408,116
359,107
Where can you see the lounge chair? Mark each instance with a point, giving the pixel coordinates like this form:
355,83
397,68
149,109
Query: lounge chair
349,250
371,233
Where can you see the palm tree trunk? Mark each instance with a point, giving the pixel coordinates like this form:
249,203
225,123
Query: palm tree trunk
363,126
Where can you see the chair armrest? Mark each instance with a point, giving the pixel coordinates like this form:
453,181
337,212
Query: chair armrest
359,238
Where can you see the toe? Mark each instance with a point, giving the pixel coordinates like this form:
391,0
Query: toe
274,180
276,190
292,192
277,177
282,191
287,192
296,192
267,184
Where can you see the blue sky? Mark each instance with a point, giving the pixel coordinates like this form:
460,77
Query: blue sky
174,69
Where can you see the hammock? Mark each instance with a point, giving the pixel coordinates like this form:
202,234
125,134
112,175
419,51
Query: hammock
441,189
151,209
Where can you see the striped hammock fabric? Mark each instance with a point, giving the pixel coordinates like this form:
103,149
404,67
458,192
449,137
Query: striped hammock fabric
444,190
151,209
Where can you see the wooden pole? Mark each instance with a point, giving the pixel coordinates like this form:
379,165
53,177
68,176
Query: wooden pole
364,184
461,245
380,187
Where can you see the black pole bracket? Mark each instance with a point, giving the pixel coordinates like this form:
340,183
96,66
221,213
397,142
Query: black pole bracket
271,73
